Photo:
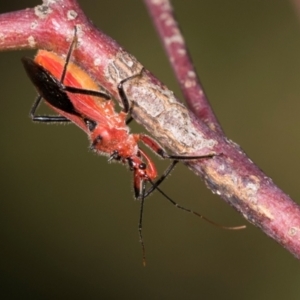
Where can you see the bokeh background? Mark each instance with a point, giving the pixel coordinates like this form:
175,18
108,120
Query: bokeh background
68,221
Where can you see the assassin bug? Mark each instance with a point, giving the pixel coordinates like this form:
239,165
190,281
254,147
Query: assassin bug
75,96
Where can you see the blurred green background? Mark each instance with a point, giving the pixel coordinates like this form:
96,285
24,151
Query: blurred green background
68,221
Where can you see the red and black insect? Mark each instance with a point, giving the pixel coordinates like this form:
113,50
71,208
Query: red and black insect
75,96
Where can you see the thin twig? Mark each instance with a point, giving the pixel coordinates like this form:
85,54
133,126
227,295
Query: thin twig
163,17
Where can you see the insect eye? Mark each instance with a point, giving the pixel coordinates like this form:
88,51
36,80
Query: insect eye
142,166
90,124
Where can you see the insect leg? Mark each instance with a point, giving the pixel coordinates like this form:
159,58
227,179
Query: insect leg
160,151
152,144
80,91
45,119
71,48
161,179
63,75
196,213
129,120
122,94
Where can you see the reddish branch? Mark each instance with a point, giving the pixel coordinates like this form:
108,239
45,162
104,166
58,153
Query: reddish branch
232,175
163,18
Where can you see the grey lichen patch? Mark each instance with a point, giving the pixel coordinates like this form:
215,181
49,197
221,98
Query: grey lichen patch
251,191
171,120
169,21
165,92
71,14
34,25
42,11
175,38
293,231
189,83
97,61
191,74
181,51
122,66
190,80
247,187
233,186
150,103
159,110
176,121
166,4
31,41
156,2
50,2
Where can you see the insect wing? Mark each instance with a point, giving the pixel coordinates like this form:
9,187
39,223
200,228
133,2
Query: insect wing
93,107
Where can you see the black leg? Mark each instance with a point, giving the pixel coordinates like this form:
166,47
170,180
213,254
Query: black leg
71,48
50,119
195,213
80,91
161,179
129,120
122,94
74,89
45,119
161,152
152,144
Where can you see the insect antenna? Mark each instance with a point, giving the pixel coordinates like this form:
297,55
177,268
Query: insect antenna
141,223
155,186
